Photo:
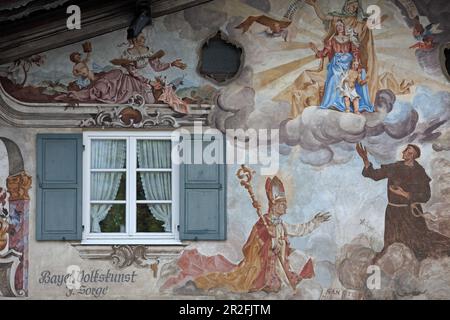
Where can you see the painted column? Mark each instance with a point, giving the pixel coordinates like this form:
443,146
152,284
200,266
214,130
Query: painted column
19,206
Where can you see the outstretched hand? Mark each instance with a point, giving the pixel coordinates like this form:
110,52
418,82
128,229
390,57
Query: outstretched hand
178,63
322,217
313,47
362,152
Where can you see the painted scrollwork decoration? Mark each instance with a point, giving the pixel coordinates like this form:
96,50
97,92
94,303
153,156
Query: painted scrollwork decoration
125,255
135,115
122,256
18,186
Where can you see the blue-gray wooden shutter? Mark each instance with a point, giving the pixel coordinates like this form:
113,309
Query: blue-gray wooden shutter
59,198
203,199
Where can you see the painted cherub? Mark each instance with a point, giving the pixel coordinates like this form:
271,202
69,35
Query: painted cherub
348,86
275,28
427,43
425,35
81,69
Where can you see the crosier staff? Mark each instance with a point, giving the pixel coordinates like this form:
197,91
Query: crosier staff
245,175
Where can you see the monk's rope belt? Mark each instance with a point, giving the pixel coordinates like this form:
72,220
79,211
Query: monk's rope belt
414,209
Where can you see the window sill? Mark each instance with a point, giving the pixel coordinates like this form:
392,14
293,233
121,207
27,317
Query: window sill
124,255
141,242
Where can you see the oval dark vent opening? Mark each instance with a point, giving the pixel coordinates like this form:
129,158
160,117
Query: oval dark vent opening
445,60
220,59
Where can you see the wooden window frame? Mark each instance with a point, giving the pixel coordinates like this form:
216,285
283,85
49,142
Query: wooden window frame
131,236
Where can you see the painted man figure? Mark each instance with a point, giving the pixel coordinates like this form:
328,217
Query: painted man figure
266,253
408,187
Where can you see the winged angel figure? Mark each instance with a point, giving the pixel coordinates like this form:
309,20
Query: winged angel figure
275,28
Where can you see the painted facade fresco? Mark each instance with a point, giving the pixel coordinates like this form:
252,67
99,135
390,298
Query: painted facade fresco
363,112
14,224
265,266
136,69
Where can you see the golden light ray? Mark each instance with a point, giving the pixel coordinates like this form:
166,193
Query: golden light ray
264,78
395,45
395,62
419,79
287,80
390,35
281,88
310,18
286,93
395,53
308,24
305,33
287,46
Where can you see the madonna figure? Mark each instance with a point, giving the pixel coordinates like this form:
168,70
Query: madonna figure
341,49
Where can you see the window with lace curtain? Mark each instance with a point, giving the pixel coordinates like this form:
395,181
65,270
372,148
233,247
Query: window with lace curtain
130,188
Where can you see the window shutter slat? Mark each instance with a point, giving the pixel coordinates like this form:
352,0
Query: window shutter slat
59,198
203,200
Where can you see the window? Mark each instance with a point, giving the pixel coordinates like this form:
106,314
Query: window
130,188
123,188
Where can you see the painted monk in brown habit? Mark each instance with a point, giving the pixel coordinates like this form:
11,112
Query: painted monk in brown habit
408,187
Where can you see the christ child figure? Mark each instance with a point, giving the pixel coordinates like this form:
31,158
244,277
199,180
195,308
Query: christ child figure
349,82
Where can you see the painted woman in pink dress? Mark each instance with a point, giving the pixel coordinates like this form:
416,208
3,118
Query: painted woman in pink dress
118,86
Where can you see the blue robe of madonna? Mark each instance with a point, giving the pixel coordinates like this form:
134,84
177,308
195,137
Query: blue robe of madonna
333,98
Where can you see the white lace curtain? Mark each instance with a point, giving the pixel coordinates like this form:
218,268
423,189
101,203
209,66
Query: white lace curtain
155,154
106,154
